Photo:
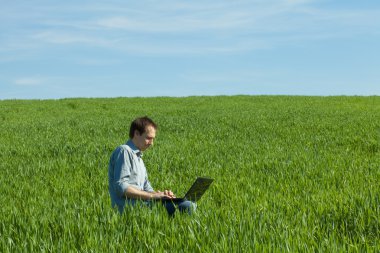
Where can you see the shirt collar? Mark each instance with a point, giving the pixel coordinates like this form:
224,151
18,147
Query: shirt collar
135,150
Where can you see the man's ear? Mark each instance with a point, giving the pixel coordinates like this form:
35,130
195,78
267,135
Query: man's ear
137,133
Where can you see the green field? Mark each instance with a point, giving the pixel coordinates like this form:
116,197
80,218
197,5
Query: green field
291,174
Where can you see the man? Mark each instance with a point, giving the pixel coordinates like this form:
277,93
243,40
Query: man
128,177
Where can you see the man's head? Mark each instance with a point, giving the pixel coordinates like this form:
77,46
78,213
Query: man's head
142,132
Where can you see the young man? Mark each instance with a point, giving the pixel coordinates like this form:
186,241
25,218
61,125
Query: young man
127,174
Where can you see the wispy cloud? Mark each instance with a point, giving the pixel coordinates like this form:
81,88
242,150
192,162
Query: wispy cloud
28,81
180,23
181,27
68,37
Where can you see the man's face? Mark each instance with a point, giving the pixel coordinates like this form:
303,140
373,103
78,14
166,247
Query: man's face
145,140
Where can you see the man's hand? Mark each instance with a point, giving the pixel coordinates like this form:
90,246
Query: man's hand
169,193
164,194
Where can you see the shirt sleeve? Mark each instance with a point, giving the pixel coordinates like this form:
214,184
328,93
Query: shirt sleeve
122,171
147,186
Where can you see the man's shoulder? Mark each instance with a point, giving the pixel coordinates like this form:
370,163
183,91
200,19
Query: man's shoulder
122,152
123,148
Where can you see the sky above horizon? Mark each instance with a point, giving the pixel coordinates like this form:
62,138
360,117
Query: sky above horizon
61,49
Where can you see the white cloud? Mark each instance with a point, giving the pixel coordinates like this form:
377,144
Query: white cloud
181,27
66,37
178,23
28,81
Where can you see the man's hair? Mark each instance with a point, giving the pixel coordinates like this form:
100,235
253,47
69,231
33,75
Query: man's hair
140,125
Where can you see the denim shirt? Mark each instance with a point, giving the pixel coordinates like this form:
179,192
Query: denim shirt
126,168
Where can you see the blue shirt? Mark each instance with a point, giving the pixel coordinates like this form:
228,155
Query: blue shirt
126,168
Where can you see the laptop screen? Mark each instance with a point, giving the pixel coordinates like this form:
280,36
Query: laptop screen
198,188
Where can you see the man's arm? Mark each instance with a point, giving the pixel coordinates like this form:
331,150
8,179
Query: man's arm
132,192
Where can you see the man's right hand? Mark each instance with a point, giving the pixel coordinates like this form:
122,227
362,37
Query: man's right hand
164,194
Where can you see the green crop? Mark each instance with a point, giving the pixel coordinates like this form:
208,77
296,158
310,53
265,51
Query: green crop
292,174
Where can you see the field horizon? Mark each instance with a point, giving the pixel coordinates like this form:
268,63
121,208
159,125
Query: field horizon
192,96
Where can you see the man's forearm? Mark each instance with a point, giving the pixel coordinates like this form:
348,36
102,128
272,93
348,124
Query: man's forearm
134,193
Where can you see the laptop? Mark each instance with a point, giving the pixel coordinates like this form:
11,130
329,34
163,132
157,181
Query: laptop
195,192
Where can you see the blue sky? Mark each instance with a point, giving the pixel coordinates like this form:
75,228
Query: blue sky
59,49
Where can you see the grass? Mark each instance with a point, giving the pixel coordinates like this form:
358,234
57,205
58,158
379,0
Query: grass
291,174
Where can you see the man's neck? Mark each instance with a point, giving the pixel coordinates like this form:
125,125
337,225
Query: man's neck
134,144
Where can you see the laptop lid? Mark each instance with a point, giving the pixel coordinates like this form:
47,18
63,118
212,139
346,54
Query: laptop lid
198,188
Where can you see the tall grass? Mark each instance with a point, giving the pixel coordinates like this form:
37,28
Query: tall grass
291,174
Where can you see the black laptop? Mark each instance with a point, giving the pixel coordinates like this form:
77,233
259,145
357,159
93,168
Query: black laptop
195,192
